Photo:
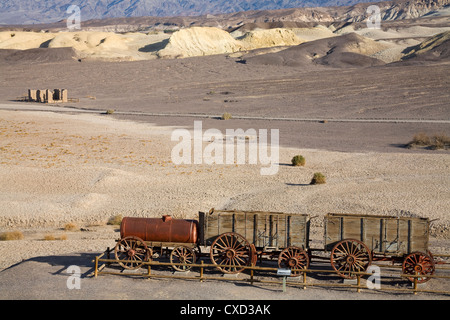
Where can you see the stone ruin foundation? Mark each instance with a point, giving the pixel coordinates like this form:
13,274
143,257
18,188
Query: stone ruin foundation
48,96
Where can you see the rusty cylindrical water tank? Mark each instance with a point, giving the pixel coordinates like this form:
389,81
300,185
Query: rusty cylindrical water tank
163,229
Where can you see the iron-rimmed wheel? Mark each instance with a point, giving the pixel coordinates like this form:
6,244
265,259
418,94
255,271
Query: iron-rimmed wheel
131,252
349,256
230,252
182,254
293,258
419,262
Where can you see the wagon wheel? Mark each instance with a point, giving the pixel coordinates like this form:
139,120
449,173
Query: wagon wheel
131,252
419,262
230,252
293,258
182,254
253,255
350,256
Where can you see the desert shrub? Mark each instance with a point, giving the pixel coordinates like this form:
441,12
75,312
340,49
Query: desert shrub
11,235
420,139
110,111
439,141
115,220
318,178
70,227
226,116
298,160
51,237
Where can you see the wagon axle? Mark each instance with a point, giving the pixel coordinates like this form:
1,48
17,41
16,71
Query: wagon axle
292,262
230,254
351,260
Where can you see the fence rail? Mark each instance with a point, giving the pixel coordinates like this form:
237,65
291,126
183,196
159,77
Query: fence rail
305,281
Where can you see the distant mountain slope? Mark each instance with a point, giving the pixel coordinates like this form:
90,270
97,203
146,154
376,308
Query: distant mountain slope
13,12
34,12
396,10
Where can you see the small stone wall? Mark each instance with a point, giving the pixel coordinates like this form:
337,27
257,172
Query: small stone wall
48,96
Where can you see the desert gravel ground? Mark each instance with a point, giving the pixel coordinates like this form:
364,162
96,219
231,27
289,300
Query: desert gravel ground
84,169
47,277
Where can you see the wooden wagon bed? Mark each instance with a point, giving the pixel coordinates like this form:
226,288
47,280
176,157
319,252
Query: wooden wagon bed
265,230
382,234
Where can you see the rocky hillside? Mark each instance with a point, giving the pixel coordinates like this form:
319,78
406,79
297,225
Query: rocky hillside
32,11
216,12
433,48
396,10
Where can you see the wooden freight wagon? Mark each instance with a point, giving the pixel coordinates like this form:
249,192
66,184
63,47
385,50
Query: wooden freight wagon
356,240
236,238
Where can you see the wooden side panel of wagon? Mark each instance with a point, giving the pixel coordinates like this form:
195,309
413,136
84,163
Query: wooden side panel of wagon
382,234
263,229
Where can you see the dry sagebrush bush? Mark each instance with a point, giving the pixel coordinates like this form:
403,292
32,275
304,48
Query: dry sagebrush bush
421,139
226,116
318,178
50,237
440,141
70,227
11,235
435,142
115,220
298,160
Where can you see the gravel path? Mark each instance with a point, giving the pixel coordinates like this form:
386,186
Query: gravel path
73,110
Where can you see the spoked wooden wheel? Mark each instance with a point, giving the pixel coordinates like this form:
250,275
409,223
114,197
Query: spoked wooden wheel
293,258
349,256
420,263
230,252
182,254
131,252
